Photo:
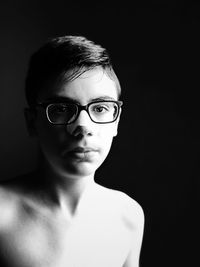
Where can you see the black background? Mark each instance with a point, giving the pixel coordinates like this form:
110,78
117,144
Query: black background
155,157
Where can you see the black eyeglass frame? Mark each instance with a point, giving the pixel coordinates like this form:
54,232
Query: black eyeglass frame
79,107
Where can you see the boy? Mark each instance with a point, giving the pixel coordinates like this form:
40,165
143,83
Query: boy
58,216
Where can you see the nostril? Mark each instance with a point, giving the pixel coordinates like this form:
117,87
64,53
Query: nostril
81,131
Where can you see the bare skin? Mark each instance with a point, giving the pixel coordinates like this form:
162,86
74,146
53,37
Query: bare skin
104,228
59,217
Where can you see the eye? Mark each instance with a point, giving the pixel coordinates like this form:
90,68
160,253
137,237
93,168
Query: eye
100,108
60,108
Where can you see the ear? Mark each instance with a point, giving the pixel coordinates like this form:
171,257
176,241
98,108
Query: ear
30,117
117,123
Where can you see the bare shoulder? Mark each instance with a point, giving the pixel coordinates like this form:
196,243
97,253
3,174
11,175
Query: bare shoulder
8,206
6,195
11,194
128,208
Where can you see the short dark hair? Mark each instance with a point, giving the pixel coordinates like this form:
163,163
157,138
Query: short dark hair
65,58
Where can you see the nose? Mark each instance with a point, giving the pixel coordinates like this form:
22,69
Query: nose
82,126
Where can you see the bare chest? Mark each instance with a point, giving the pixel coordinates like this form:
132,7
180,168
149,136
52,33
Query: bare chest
89,240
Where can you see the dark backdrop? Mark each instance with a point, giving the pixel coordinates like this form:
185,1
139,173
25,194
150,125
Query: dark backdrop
155,158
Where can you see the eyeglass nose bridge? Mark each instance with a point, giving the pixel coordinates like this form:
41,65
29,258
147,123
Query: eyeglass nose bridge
79,109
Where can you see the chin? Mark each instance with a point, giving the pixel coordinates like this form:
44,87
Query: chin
77,167
81,169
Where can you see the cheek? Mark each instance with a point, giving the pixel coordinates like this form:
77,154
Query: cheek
107,131
48,144
106,135
49,133
49,137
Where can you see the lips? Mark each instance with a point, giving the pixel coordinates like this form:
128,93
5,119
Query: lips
83,150
83,153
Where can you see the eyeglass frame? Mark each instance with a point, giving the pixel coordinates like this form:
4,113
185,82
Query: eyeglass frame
80,108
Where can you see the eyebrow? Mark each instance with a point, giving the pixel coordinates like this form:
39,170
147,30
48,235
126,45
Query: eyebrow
59,99
102,98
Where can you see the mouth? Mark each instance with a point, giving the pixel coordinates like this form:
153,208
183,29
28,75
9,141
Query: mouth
83,153
83,150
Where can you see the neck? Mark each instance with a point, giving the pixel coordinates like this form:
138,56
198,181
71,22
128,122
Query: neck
63,188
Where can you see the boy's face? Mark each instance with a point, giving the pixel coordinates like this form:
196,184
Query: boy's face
78,148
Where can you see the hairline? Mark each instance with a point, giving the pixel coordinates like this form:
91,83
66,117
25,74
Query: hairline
74,73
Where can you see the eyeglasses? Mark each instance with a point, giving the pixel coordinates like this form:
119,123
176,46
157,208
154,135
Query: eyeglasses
105,111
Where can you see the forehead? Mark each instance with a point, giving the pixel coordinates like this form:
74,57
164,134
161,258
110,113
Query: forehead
90,85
